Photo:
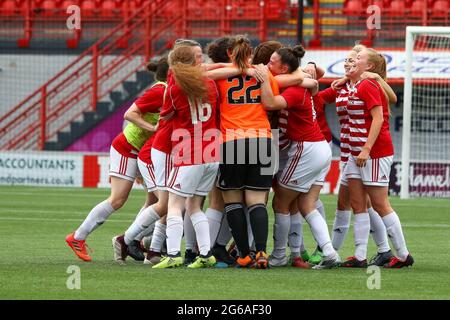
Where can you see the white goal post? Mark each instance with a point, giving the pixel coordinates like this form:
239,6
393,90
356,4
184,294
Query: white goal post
425,153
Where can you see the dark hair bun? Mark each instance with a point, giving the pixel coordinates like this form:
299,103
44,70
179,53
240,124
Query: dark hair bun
241,39
298,51
152,66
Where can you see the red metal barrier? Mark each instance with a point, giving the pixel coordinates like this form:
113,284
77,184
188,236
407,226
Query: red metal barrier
91,77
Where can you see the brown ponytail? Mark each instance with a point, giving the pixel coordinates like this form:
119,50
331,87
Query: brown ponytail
241,53
378,62
187,75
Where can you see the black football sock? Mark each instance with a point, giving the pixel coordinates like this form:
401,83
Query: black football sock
259,221
238,225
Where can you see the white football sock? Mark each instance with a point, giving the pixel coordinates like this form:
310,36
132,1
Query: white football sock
174,233
340,228
378,231
144,220
295,237
215,221
189,234
361,229
251,240
201,227
95,218
319,230
280,234
145,232
395,232
158,238
224,235
321,209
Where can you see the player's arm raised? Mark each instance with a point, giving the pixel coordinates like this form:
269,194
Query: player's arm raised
134,115
392,97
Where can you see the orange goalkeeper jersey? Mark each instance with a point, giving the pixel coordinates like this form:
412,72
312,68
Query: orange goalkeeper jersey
242,114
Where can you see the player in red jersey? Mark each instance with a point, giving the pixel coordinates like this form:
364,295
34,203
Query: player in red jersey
132,247
162,164
191,102
123,162
370,160
338,93
308,147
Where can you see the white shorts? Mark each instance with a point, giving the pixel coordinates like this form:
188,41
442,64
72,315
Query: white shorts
121,166
308,164
283,159
187,181
162,165
343,176
148,174
375,173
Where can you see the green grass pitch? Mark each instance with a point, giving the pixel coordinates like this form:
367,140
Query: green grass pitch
34,257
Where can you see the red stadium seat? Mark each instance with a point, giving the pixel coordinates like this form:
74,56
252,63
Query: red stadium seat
49,7
88,7
354,7
441,8
379,3
108,8
418,7
398,8
8,7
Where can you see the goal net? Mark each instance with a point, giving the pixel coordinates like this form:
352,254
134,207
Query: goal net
425,167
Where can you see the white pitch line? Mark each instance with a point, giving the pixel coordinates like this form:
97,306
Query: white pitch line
406,225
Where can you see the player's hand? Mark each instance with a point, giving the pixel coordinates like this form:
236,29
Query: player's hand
338,84
262,73
311,70
151,128
361,159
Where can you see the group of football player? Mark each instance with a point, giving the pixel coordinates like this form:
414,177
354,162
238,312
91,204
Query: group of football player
249,121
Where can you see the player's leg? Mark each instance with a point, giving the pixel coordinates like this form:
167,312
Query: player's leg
361,224
219,230
201,226
376,185
281,207
380,237
319,228
259,222
214,212
121,249
299,254
149,216
158,240
190,240
174,232
121,183
258,181
343,215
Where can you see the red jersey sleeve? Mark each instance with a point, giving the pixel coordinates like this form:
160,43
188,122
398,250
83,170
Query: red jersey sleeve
294,96
168,109
328,95
152,100
369,92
